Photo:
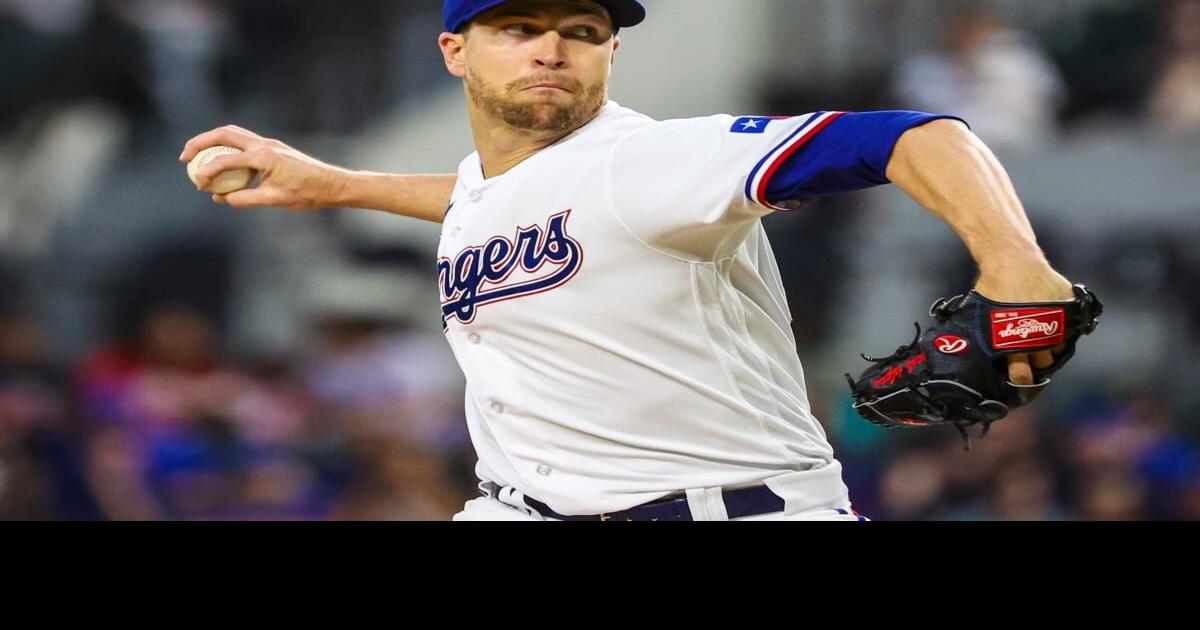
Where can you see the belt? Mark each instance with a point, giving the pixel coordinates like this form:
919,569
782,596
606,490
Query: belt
738,504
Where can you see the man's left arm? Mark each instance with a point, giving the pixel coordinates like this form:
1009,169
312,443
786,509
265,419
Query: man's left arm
950,171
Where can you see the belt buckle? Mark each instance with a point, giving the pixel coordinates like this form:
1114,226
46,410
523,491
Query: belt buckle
605,518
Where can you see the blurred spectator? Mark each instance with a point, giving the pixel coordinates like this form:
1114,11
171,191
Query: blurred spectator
318,66
1175,101
396,481
913,487
70,51
1113,495
372,430
49,16
1025,489
183,40
1189,499
995,77
40,477
1131,459
1106,54
387,380
176,432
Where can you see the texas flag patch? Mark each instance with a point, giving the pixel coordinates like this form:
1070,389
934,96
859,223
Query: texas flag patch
753,124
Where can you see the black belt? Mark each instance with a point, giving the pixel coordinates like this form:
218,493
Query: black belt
738,504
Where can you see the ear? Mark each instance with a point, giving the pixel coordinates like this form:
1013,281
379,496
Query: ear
453,53
612,61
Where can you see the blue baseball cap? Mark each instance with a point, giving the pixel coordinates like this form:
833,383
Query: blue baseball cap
458,12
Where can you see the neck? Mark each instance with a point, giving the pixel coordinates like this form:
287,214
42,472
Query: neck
502,147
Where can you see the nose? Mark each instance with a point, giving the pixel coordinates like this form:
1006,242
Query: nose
550,51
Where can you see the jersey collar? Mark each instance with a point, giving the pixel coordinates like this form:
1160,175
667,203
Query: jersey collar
472,172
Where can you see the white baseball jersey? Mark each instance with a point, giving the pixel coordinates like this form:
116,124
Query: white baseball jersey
618,313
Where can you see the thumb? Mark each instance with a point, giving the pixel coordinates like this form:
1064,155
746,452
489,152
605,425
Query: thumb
248,198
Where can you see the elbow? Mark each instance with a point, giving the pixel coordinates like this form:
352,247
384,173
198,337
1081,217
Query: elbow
942,132
933,145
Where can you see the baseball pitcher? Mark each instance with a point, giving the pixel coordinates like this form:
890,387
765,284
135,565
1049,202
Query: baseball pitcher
609,291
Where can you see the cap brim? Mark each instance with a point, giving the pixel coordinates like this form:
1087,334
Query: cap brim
625,13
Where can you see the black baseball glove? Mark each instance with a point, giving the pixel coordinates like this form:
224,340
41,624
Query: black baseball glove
956,373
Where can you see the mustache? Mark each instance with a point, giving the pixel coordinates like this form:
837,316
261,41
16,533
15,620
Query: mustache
571,84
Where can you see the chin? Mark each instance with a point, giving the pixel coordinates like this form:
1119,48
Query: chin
549,109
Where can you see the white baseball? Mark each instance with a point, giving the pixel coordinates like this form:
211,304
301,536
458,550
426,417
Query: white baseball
227,181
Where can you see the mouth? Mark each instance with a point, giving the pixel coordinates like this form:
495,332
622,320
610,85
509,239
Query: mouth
548,85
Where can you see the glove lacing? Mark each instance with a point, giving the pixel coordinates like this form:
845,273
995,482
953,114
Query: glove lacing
942,310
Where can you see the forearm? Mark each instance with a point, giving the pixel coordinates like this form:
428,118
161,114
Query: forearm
948,170
422,197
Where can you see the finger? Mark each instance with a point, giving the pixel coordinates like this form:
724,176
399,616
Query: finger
229,135
1060,349
254,160
1043,359
1019,371
252,198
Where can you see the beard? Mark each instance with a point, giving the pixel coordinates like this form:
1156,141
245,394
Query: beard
503,104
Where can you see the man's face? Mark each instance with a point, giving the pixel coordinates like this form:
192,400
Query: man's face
538,65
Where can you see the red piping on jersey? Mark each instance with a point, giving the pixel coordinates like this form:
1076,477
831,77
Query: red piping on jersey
761,193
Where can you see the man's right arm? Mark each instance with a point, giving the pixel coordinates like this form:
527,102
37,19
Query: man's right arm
292,180
422,197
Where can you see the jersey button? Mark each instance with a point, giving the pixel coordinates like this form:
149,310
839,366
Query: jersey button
474,338
544,470
497,408
475,196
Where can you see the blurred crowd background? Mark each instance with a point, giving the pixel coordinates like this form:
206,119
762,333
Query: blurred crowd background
165,358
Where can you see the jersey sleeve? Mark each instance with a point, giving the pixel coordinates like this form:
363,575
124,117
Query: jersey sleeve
686,183
833,153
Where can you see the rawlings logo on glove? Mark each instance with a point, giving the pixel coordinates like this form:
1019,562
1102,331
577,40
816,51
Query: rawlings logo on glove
956,373
950,344
1029,328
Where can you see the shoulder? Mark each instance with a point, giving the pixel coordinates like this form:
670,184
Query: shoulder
684,138
620,121
681,127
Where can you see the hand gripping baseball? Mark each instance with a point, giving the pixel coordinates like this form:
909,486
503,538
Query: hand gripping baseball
956,372
287,178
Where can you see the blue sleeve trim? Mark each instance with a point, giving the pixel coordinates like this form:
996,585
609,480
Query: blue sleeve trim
852,153
753,180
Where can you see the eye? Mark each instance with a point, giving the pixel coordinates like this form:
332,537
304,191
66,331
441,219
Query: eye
582,31
520,29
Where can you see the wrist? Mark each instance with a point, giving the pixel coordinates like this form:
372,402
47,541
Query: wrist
1023,280
344,187
1013,264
